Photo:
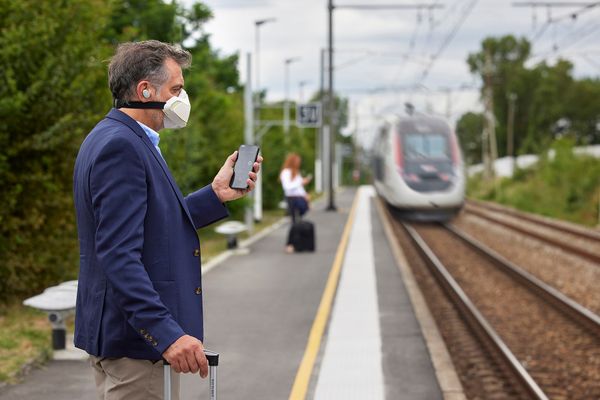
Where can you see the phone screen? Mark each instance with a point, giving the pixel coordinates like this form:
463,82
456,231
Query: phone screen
247,155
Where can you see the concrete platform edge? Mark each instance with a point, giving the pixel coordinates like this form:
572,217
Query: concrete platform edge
442,363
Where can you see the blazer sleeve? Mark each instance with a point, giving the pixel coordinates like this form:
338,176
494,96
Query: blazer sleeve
119,199
205,207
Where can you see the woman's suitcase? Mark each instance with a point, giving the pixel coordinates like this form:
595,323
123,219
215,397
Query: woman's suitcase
213,362
302,235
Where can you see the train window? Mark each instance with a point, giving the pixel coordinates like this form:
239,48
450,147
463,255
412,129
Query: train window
419,146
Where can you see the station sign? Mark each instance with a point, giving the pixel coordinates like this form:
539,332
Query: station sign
308,115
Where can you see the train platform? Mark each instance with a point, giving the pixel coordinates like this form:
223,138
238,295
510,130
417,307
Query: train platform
344,322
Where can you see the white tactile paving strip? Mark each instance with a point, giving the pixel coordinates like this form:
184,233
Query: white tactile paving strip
351,365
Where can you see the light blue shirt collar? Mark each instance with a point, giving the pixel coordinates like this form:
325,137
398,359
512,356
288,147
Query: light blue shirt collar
152,135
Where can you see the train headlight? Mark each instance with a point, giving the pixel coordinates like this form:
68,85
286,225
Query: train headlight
409,177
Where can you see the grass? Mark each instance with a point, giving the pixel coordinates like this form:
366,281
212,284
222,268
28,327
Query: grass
25,337
25,334
565,187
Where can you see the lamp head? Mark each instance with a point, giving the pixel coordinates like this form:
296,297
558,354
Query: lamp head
260,22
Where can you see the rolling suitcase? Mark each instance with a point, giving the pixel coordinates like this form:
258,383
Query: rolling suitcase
302,236
213,362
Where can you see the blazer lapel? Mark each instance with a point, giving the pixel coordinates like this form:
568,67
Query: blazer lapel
137,129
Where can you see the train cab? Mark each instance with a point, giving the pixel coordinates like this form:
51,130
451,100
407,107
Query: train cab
418,167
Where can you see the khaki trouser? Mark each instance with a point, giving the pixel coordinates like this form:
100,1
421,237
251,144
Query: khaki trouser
130,379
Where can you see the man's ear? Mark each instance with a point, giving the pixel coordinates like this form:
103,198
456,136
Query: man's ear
143,92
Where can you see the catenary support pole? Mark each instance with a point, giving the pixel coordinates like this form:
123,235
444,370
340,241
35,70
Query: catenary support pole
331,114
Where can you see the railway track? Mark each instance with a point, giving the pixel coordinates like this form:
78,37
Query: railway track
511,320
582,242
558,225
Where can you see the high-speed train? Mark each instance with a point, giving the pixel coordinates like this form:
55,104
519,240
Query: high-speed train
418,167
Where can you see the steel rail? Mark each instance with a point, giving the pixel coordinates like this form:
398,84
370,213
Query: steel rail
595,258
475,319
557,299
582,232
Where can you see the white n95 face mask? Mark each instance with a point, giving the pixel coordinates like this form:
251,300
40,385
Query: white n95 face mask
177,111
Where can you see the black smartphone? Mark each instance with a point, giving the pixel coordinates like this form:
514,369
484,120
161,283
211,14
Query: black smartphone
247,155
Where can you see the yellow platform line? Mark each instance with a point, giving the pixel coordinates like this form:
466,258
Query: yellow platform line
315,337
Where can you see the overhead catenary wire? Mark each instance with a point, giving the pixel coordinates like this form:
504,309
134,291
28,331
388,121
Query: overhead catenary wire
433,25
583,8
569,40
430,31
466,11
411,47
570,16
591,61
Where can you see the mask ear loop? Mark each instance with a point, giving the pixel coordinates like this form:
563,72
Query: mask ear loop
139,104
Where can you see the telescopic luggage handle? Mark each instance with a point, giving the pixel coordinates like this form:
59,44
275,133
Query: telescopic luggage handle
213,362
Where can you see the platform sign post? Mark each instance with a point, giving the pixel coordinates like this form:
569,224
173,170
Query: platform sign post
308,115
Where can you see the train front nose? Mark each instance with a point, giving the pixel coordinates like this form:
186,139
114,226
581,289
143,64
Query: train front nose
429,176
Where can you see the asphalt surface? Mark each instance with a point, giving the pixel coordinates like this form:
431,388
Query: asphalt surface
56,380
259,309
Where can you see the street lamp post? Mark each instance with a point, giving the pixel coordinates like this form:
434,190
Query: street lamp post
257,25
301,85
286,105
257,196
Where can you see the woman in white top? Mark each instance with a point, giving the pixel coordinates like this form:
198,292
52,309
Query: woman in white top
293,189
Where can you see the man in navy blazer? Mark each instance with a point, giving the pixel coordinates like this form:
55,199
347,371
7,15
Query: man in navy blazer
140,293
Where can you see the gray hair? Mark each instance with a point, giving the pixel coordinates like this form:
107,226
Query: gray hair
136,61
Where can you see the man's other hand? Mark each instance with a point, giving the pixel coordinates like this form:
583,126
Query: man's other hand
220,184
186,354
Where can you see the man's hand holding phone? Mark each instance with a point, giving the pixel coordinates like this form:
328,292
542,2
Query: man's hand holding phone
221,182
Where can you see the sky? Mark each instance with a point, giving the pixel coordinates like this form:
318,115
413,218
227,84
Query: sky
381,55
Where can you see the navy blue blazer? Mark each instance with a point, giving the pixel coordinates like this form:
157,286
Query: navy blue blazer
140,285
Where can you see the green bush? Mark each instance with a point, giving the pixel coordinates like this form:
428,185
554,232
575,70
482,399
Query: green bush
52,92
564,186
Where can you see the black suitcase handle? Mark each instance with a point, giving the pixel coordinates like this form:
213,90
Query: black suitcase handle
213,362
212,357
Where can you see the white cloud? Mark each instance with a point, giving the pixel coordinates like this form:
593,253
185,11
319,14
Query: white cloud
301,30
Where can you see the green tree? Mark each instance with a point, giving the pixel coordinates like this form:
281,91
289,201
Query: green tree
469,128
547,95
547,104
582,105
508,75
134,20
52,92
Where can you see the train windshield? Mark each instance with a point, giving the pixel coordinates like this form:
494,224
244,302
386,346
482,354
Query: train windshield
418,146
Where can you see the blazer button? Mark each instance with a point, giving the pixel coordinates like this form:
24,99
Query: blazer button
154,343
198,290
196,252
